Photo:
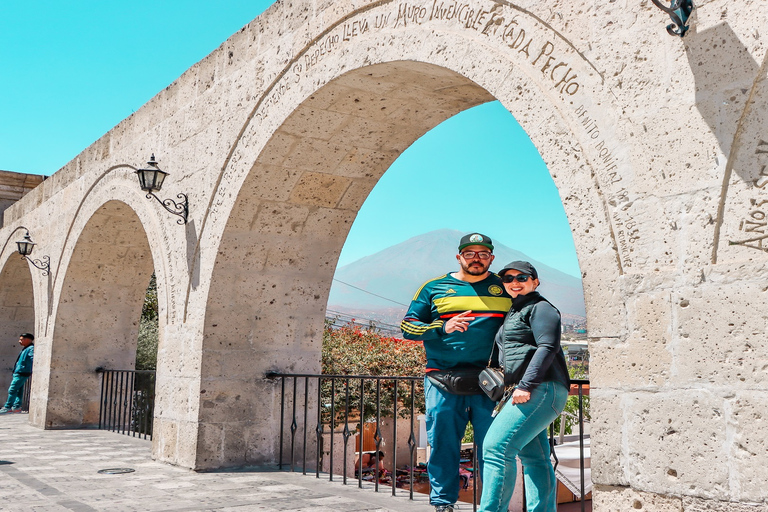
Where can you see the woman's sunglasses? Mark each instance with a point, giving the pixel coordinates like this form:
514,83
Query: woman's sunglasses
520,278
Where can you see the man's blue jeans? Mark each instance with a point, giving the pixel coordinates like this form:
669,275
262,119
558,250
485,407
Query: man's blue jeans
520,430
447,417
15,391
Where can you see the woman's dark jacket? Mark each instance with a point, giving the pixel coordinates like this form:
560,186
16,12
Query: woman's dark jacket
529,343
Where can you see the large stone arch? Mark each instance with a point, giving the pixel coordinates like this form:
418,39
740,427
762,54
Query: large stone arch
307,158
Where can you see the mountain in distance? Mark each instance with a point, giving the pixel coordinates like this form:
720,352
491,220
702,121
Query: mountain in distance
396,273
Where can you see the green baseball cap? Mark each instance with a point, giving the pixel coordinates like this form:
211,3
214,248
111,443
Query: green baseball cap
475,239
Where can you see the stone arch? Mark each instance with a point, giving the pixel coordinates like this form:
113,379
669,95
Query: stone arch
17,311
297,201
521,61
97,311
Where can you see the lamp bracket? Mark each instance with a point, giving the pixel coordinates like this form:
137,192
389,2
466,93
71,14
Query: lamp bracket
44,265
180,209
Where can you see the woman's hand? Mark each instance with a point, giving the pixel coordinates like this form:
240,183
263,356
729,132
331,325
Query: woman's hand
520,396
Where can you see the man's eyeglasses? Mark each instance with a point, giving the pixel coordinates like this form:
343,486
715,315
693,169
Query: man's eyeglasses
520,278
483,255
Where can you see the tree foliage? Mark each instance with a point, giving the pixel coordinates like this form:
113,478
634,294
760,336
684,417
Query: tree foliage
146,350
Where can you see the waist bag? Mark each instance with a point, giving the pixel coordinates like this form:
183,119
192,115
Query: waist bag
459,381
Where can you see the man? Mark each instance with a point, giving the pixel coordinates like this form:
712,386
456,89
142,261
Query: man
21,373
457,316
369,461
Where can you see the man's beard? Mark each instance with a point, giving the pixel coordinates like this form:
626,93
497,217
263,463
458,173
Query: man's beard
474,268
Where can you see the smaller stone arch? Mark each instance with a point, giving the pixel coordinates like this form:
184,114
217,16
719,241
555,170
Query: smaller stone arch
97,313
17,313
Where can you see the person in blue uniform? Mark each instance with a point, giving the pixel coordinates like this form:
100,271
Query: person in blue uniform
456,316
21,372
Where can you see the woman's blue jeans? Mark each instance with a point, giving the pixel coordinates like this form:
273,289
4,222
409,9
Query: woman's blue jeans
520,430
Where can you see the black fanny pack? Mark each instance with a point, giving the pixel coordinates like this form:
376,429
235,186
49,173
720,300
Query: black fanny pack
459,381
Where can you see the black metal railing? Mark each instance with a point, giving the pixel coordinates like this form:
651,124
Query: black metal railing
127,401
316,409
340,406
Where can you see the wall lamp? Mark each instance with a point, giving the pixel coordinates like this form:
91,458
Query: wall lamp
151,181
679,11
25,249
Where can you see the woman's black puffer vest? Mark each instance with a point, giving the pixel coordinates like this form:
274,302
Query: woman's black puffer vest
518,348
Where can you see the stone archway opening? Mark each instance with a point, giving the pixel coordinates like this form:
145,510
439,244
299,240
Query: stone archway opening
17,314
277,257
98,313
477,171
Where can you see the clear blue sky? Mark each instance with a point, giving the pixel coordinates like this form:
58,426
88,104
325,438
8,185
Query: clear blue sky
73,70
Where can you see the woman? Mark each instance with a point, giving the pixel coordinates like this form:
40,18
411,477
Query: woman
530,353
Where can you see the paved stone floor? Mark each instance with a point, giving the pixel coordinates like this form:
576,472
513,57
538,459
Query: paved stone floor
57,470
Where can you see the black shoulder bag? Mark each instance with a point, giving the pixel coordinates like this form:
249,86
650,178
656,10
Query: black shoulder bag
491,379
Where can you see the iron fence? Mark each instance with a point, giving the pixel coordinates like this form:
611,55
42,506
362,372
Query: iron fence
127,401
317,409
323,410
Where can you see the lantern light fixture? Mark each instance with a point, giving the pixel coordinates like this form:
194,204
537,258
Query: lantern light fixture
25,248
151,180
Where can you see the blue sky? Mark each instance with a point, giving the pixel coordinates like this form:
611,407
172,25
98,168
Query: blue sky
73,70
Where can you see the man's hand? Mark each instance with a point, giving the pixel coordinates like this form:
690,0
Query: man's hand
459,322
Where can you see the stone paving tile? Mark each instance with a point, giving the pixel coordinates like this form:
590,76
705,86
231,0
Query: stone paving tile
248,508
57,470
173,485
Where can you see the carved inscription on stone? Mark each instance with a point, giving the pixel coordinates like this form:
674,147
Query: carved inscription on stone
753,224
607,168
534,43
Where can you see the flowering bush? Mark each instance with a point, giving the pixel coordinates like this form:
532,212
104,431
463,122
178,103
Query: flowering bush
350,350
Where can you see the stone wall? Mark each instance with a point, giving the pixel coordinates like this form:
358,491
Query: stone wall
13,186
657,147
